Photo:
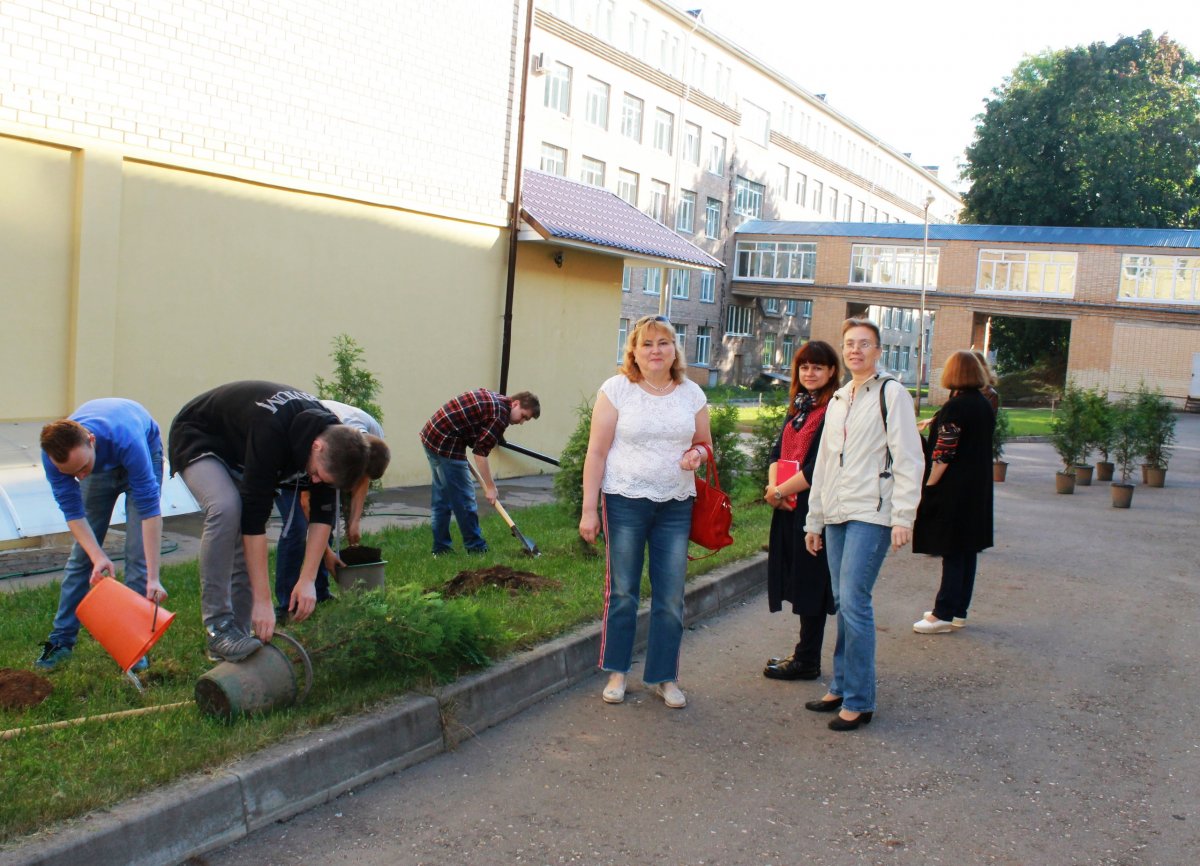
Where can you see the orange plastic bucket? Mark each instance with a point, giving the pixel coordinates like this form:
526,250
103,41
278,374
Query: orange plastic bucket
123,622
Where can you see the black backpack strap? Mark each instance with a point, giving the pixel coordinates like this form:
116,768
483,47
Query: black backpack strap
887,461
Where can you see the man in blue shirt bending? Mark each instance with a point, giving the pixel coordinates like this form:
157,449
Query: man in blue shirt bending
105,448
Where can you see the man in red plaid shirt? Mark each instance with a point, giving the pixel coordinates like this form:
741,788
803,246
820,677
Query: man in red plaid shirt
476,419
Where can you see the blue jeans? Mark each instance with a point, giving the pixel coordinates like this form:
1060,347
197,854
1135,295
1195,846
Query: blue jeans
453,491
289,551
100,491
629,525
856,551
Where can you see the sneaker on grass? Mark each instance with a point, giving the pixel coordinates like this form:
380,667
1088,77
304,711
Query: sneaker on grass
227,641
52,655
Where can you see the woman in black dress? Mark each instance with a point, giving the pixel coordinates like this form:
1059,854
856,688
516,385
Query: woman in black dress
793,574
954,519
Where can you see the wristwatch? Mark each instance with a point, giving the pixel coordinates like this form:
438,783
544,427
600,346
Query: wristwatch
778,496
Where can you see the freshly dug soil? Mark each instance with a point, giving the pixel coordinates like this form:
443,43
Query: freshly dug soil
360,555
20,690
501,576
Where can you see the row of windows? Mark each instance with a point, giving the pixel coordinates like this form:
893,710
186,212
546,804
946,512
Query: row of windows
790,307
678,279
1169,279
703,342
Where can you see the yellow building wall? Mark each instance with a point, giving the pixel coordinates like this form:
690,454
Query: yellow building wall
564,343
37,219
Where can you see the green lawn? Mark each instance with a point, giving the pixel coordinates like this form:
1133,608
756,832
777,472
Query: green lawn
49,775
1025,422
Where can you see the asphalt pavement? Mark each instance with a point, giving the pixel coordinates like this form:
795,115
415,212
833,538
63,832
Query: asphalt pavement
1056,728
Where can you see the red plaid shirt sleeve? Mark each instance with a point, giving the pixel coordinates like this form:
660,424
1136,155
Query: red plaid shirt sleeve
475,419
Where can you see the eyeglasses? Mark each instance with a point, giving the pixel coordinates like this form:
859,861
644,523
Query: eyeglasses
644,319
860,344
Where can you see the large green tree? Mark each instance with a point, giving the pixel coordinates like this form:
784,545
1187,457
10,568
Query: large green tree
1102,135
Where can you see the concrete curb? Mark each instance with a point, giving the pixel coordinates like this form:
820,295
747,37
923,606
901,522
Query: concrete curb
204,813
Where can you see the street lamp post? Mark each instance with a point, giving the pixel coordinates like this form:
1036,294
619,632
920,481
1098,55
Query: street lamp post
921,324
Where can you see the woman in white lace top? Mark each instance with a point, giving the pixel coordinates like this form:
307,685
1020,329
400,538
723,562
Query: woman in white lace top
642,455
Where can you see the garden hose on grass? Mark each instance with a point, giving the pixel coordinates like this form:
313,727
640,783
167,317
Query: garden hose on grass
103,717
167,547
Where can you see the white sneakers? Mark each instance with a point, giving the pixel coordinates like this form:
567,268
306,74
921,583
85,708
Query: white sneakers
671,695
614,692
957,622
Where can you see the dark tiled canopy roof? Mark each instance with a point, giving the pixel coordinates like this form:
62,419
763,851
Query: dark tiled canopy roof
562,209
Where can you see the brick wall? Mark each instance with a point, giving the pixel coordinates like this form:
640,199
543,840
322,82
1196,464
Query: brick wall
402,101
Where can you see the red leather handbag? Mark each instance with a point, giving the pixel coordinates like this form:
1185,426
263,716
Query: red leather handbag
712,512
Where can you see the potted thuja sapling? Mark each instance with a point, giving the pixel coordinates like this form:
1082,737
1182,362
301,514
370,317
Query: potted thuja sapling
1000,436
1126,448
1101,423
1158,434
1068,435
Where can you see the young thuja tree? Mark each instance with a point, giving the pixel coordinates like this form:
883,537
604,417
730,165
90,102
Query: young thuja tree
1158,426
1000,435
352,383
1100,423
1127,436
723,421
1069,429
568,482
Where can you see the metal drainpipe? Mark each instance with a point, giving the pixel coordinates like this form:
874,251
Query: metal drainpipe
514,213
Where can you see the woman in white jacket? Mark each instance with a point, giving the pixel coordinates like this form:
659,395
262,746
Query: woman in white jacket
865,491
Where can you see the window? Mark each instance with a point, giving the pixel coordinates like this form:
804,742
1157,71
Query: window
818,190
905,359
622,336
768,350
703,345
885,318
659,194
892,266
756,122
1167,279
790,307
554,160
788,348
664,131
716,155
653,282
691,143
738,321
806,309
771,305
626,275
685,213
558,88
631,118
747,197
1027,272
708,287
847,208
680,280
775,260
712,218
801,188
627,186
909,318
831,203
681,339
592,171
596,112
782,181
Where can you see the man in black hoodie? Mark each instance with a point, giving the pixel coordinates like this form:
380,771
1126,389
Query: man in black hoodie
235,446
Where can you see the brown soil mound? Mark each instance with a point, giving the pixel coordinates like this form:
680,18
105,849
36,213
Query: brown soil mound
22,689
500,576
360,555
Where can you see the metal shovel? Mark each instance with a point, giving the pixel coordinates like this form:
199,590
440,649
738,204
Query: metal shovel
529,547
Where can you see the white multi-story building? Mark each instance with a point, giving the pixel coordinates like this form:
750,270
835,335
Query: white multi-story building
644,100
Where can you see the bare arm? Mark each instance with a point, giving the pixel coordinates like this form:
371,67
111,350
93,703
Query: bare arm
304,595
102,566
152,545
600,439
485,473
262,614
358,501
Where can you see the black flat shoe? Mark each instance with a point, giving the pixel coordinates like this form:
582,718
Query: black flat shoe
824,706
790,670
780,660
840,724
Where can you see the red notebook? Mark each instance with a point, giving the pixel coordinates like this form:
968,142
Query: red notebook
785,469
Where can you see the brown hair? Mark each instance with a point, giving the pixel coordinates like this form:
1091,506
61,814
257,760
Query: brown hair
629,366
822,354
863,323
963,372
529,402
60,438
345,457
991,375
378,457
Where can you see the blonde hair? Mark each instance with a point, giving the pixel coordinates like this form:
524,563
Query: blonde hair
629,367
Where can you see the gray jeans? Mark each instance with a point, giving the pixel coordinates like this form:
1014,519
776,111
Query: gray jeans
224,581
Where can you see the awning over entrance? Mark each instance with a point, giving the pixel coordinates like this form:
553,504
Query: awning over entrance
579,215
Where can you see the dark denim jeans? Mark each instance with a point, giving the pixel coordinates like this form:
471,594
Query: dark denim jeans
630,525
289,551
453,492
100,491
